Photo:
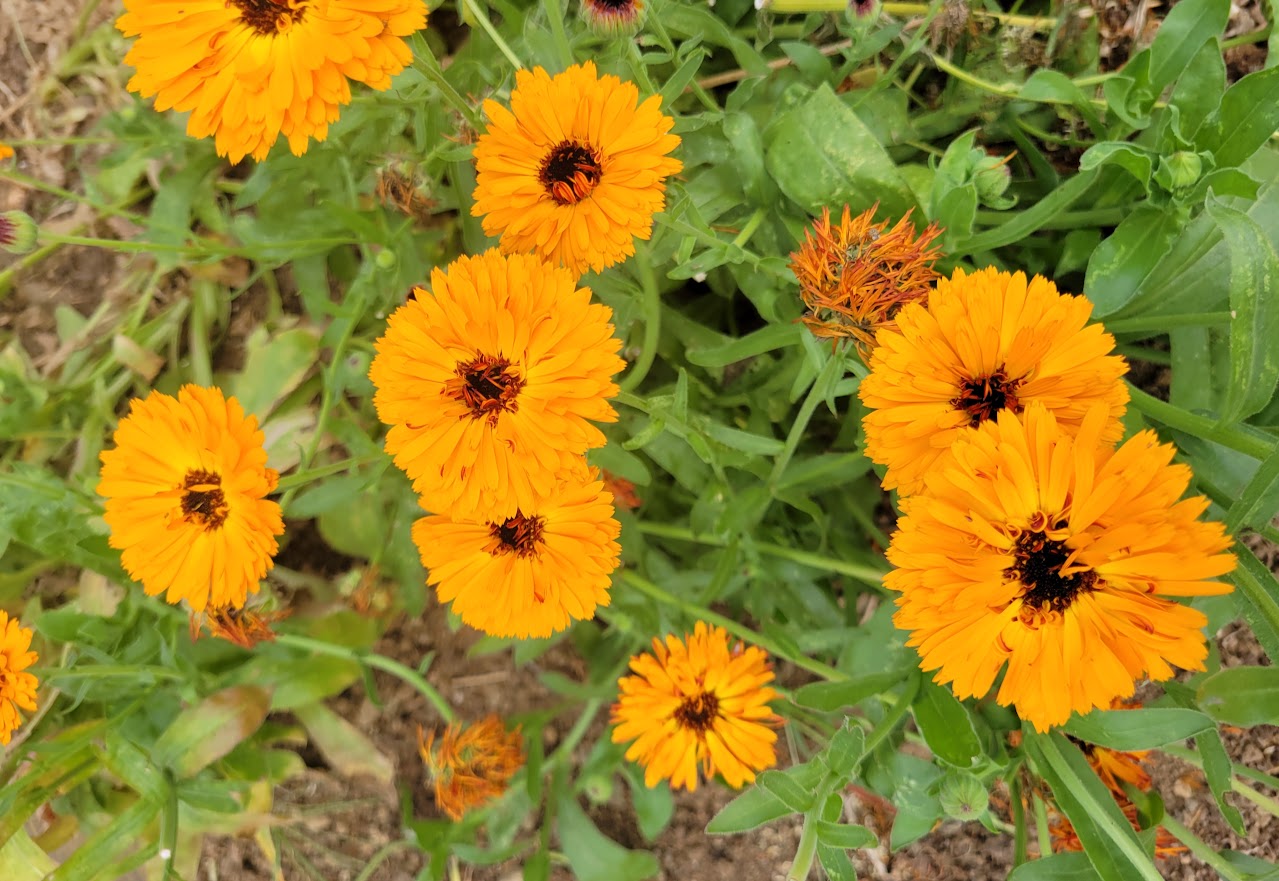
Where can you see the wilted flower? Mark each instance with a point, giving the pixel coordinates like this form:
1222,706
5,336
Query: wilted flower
244,627
856,275
1064,837
623,490
398,189
472,764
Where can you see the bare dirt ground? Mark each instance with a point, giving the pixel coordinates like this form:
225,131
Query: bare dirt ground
57,77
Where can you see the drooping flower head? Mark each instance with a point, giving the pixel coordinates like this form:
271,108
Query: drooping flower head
489,380
575,170
244,627
17,687
529,574
1054,555
985,343
186,489
697,703
472,764
249,71
856,275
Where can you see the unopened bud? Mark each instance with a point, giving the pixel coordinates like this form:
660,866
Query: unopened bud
18,232
1183,169
614,18
963,796
991,177
385,259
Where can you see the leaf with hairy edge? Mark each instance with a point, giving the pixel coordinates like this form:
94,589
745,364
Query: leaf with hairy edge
946,726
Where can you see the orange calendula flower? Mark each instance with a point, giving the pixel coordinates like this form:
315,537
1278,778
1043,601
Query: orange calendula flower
696,702
472,764
530,574
17,687
489,382
1064,838
249,71
985,343
575,170
6,152
856,275
186,489
1055,556
623,490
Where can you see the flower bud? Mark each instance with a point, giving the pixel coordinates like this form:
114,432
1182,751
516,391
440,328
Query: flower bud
991,177
614,18
963,796
17,232
385,259
1183,169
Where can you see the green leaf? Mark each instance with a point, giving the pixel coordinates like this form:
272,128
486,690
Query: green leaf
847,746
273,368
1219,772
1058,867
1244,696
1124,260
1137,161
1198,92
751,809
1181,34
766,339
298,681
592,855
831,696
1138,729
836,863
748,155
1108,838
1254,300
845,836
1258,592
946,726
1245,121
1252,506
1034,217
787,791
822,154
205,732
125,831
21,859
654,805
344,746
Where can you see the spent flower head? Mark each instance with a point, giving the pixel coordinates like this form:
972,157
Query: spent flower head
471,764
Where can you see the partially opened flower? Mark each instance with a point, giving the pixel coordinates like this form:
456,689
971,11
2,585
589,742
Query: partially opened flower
489,382
1056,557
17,687
249,71
472,764
696,703
856,275
186,489
985,343
575,170
529,574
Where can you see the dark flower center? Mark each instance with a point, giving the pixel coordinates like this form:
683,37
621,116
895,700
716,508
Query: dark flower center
202,499
1039,561
517,535
983,397
615,6
488,386
570,172
269,16
698,713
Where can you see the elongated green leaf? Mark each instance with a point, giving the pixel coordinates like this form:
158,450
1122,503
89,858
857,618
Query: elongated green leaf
752,809
836,863
1220,774
845,836
1259,593
1254,300
787,791
766,339
946,725
1242,695
1137,161
1124,260
1058,867
122,833
831,696
344,746
205,732
21,859
1247,509
1246,119
822,154
1108,838
1032,218
593,856
1198,92
1183,31
1138,729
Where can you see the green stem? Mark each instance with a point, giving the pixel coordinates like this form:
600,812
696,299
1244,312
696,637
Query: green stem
752,224
302,478
1216,861
1199,426
555,15
486,23
652,310
803,862
425,63
893,718
1159,324
1252,37
865,574
644,586
204,249
1042,831
834,365
372,659
1020,836
1261,800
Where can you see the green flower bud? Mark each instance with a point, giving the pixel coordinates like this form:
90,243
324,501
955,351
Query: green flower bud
386,259
614,18
598,788
18,232
1184,169
991,177
963,796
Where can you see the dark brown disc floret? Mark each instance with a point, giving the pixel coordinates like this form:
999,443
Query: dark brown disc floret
570,172
517,535
1039,564
698,713
982,397
202,499
489,386
268,16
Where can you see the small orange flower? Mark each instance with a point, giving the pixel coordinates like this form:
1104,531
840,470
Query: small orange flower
624,495
856,275
1064,837
6,152
472,763
17,687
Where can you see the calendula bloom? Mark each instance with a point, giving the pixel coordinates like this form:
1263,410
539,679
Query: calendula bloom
1116,767
472,764
856,275
532,573
575,170
186,489
489,382
1064,838
6,152
985,343
244,627
249,71
17,687
697,703
1055,556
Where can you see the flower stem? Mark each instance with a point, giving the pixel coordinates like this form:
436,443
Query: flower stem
302,478
1206,854
425,63
834,364
803,862
644,586
865,574
1199,426
555,15
652,308
372,659
486,23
